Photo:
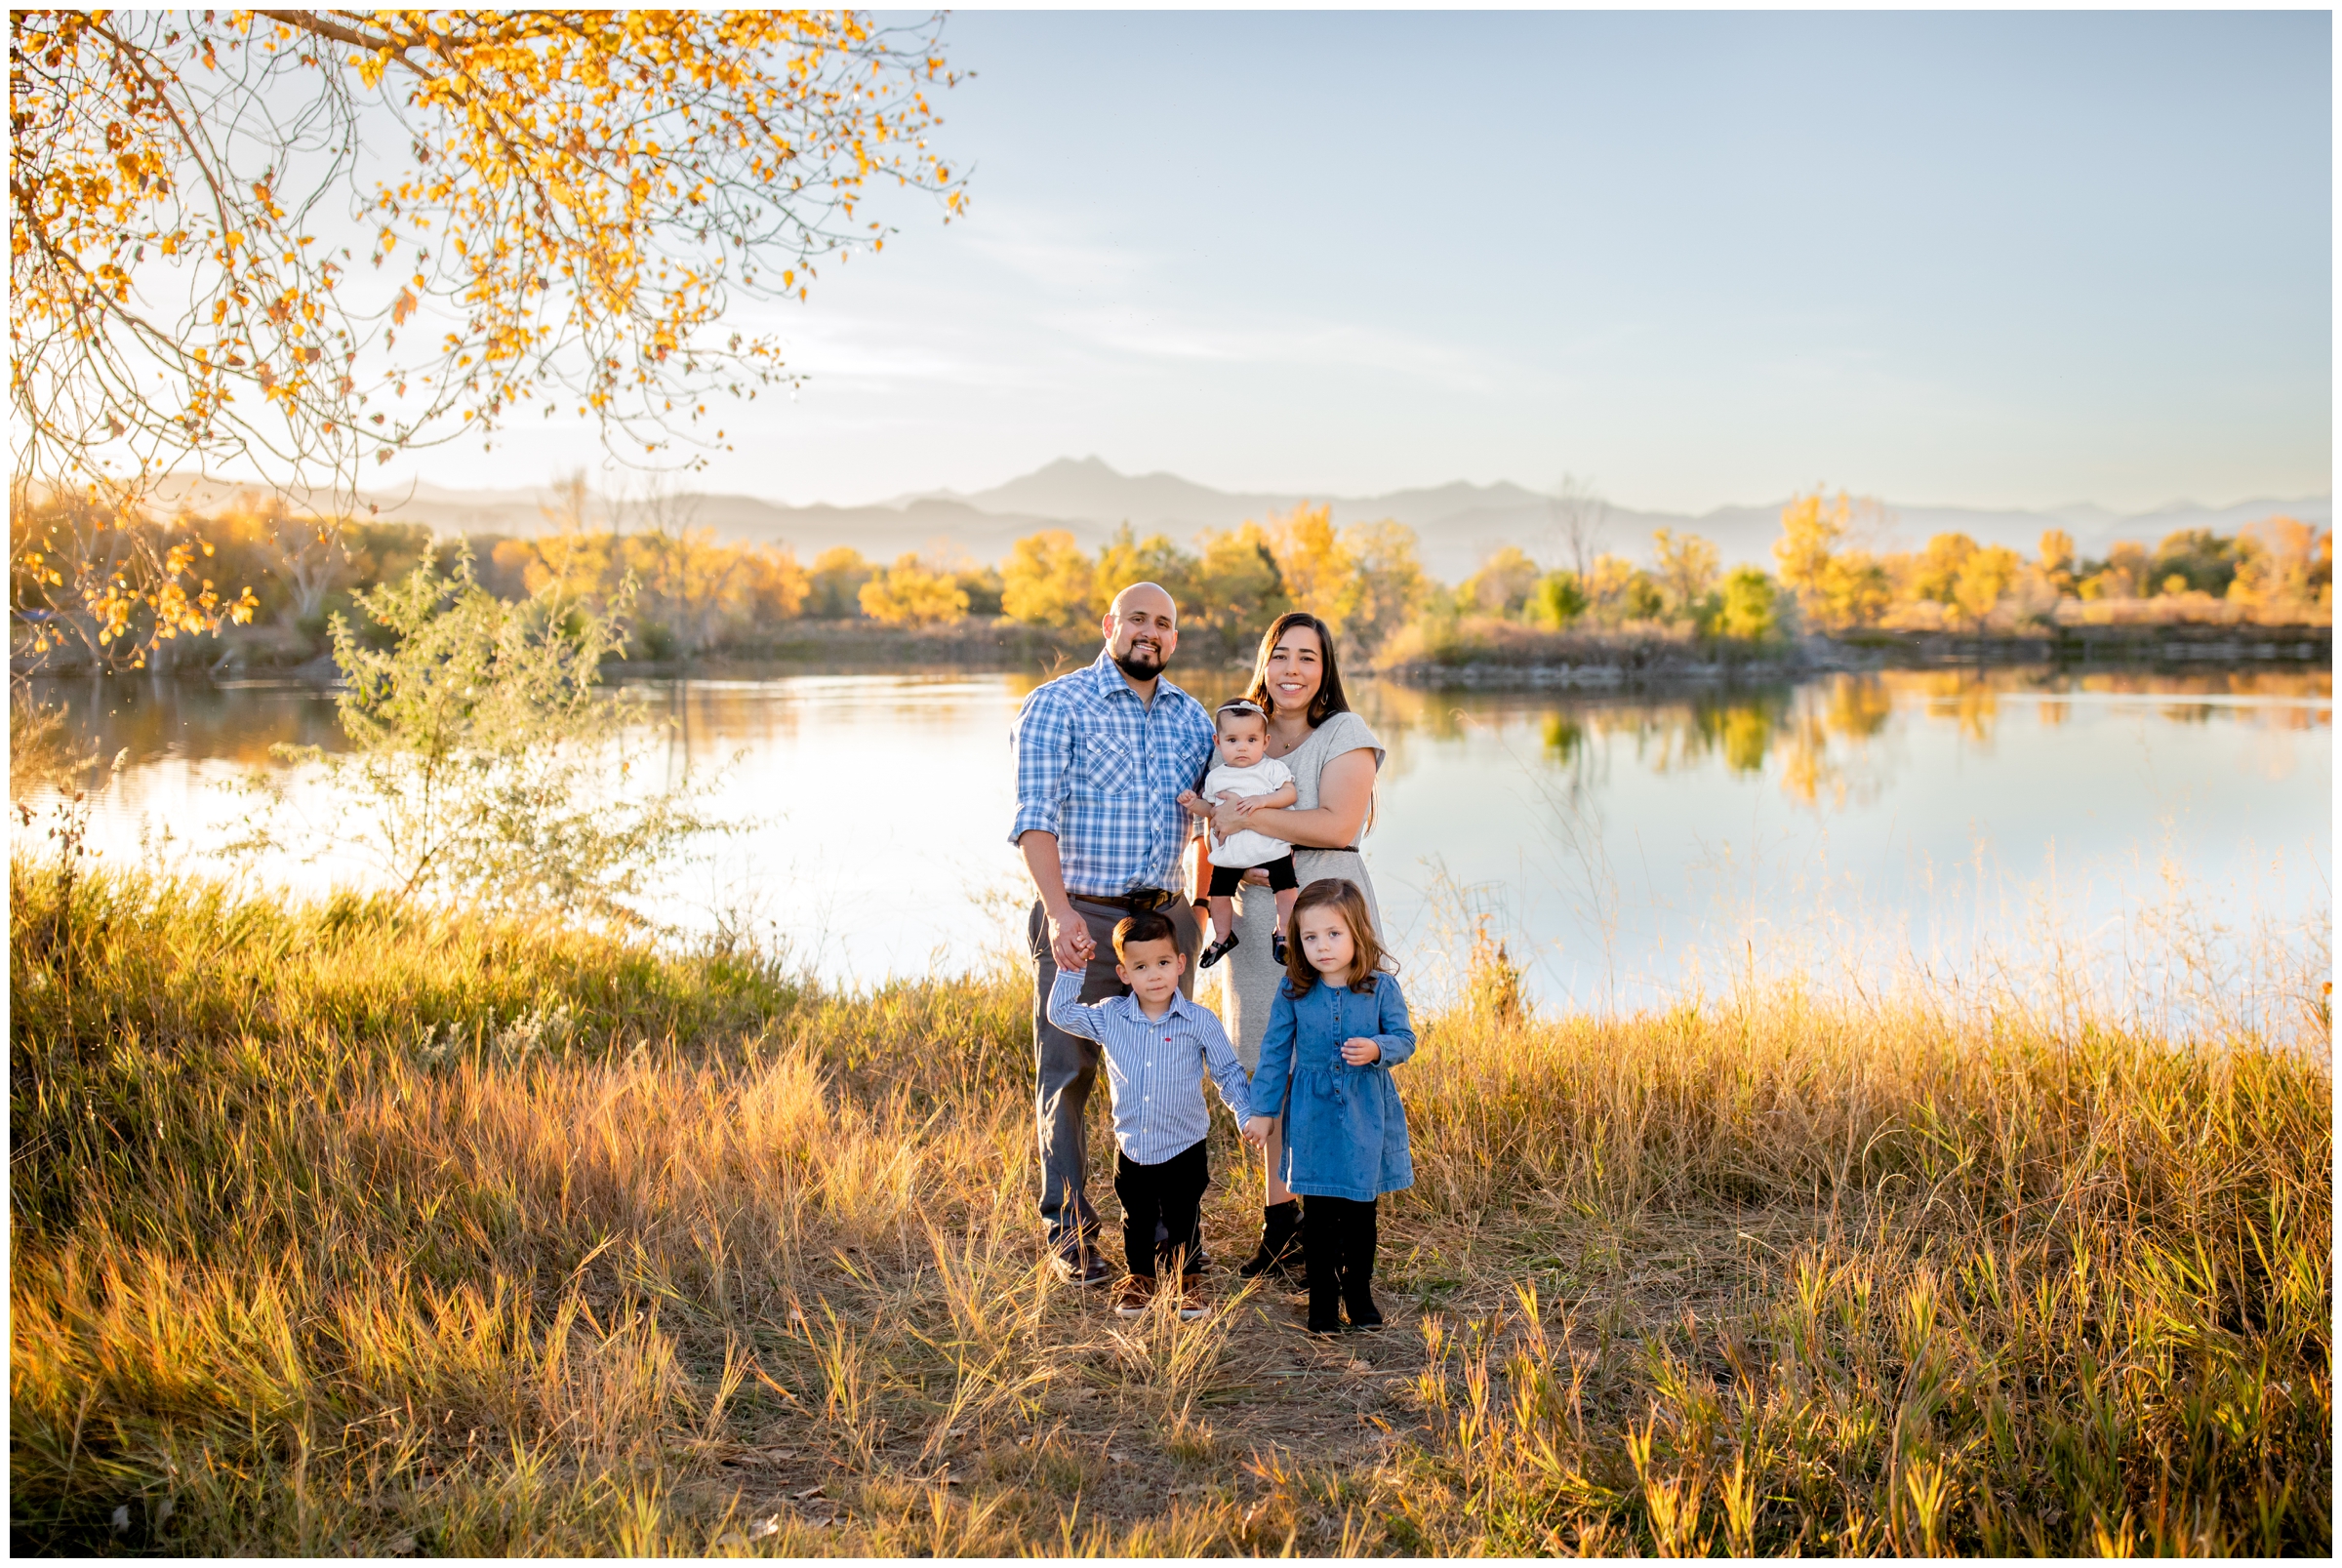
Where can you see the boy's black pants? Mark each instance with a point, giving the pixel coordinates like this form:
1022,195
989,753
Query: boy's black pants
1172,1192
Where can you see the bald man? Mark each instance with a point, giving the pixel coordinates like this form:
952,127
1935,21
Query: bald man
1103,755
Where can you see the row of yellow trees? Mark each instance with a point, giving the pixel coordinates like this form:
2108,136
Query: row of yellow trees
1684,587
1364,580
694,592
2277,569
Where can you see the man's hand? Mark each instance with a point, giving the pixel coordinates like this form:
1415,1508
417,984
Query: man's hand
1358,1051
1259,1130
1069,941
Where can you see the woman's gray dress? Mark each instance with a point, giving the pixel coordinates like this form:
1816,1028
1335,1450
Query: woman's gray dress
1252,969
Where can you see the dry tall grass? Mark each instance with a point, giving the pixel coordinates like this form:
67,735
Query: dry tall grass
343,1230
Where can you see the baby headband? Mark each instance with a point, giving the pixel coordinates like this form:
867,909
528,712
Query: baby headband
1240,704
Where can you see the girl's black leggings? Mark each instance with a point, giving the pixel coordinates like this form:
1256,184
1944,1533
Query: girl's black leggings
1338,1234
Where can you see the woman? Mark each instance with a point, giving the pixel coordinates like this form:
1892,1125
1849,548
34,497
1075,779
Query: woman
1334,757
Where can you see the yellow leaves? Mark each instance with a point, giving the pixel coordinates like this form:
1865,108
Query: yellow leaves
912,593
1047,581
1984,576
593,190
1834,590
1320,574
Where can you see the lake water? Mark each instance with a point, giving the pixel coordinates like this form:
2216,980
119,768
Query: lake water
1624,845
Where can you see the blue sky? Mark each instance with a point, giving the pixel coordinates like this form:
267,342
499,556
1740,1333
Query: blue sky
1980,259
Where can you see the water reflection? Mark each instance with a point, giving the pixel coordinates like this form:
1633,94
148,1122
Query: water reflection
1619,833
1810,733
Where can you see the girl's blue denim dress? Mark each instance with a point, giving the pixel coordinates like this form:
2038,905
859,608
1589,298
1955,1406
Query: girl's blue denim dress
1345,1132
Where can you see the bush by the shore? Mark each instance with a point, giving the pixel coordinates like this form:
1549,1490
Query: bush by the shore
341,1229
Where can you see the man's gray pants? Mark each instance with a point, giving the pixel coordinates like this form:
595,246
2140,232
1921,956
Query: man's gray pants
1066,1065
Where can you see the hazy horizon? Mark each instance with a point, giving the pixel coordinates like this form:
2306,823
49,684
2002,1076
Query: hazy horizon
968,491
1994,260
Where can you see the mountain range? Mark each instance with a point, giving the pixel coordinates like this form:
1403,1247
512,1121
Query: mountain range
1457,524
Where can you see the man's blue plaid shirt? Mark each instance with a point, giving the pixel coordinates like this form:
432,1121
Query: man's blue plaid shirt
1103,771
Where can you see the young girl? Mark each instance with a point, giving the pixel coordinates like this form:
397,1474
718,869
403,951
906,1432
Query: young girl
1338,1026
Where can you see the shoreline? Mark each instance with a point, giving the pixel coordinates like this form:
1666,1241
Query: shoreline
1603,660
1641,663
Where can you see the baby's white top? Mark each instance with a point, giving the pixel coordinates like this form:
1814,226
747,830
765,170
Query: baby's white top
1262,778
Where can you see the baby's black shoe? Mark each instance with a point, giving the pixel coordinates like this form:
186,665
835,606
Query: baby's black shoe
1216,952
1276,945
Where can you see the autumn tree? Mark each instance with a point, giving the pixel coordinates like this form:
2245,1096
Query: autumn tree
1836,587
569,212
571,555
1685,567
1319,575
1046,582
1617,591
913,592
1125,559
1238,585
1933,573
2122,574
2057,559
1502,586
2283,566
1557,600
1390,583
2202,561
834,591
1750,611
1985,575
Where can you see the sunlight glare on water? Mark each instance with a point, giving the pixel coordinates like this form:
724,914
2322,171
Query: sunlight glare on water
1623,844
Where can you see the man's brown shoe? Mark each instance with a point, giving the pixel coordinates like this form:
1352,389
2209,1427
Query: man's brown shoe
1077,1263
1133,1295
1193,1302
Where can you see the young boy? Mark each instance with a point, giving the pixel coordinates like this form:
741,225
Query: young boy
1157,1045
1247,774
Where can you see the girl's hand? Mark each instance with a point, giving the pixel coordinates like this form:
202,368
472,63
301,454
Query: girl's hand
1258,1130
1361,1052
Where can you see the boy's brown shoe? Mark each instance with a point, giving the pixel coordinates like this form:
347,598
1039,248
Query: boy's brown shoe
1133,1295
1193,1302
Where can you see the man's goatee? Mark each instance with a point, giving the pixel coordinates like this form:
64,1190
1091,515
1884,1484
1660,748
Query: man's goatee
1138,666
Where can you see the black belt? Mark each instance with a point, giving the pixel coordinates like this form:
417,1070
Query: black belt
1138,900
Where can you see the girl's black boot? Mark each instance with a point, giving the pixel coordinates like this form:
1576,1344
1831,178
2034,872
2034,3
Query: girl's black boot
1357,1265
1322,1222
1280,1243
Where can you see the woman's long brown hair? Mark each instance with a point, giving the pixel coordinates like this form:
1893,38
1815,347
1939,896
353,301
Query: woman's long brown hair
1366,954
1329,699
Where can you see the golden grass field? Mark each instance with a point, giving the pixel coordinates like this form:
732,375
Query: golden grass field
343,1230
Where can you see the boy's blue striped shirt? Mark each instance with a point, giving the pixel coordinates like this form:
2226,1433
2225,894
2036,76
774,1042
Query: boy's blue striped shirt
1103,771
1155,1066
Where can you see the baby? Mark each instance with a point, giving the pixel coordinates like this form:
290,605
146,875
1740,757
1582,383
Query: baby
1248,775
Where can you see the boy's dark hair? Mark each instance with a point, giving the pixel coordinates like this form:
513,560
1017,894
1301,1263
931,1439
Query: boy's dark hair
1147,927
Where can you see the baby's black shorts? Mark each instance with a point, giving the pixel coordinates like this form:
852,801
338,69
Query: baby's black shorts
1282,876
